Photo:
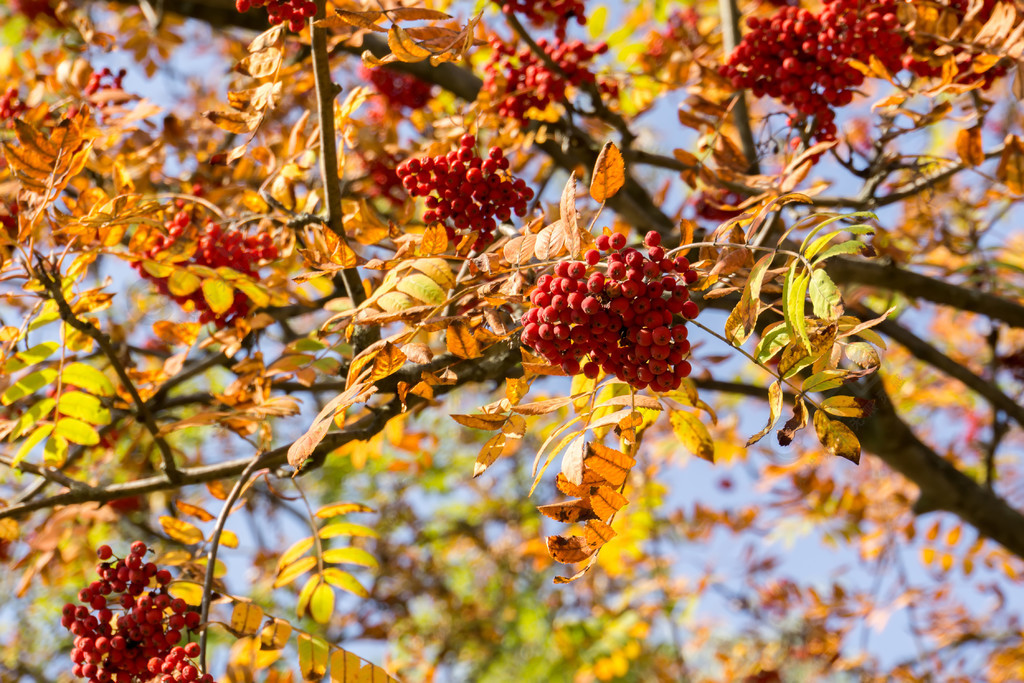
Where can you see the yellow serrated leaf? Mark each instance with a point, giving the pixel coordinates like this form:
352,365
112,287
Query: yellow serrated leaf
181,531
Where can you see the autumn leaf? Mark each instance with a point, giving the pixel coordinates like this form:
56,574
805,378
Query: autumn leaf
836,437
692,434
609,173
568,549
460,340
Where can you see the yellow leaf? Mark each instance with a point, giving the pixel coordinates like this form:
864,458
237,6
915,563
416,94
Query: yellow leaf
189,591
335,509
219,294
435,240
609,173
404,47
1011,165
294,571
321,605
460,340
313,654
177,333
181,531
274,635
246,618
297,550
692,434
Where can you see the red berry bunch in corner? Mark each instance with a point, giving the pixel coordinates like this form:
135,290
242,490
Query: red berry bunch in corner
542,12
520,81
216,247
291,12
803,58
623,318
11,107
401,91
465,192
128,628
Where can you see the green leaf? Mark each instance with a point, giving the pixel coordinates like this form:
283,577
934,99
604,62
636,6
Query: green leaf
87,377
692,434
350,555
794,293
344,581
825,299
772,341
76,431
810,251
823,381
83,406
851,247
219,294
27,385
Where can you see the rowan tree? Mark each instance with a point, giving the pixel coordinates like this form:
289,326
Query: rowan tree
330,329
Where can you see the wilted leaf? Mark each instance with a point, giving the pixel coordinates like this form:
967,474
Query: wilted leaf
568,549
275,635
598,533
568,512
774,412
968,146
606,501
488,421
794,424
836,437
404,47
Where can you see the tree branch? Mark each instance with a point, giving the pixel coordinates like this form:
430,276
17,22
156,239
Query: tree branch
326,91
51,281
916,286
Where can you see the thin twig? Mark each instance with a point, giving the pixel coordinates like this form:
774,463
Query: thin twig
211,556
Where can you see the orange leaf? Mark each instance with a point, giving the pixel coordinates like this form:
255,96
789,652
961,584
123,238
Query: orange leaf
568,512
598,533
609,173
968,146
387,362
434,240
460,340
568,549
607,501
609,463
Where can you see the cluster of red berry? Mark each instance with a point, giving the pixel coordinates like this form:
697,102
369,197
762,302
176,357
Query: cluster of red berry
803,58
104,79
623,318
124,633
11,107
923,61
473,193
291,12
216,247
521,81
557,12
401,91
680,30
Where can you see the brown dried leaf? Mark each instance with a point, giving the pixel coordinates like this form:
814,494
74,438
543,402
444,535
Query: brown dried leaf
568,549
568,512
